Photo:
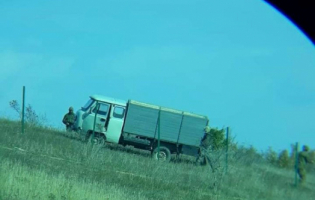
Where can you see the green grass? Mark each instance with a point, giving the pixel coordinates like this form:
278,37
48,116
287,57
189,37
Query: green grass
49,164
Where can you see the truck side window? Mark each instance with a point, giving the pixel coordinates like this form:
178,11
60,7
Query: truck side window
119,112
103,109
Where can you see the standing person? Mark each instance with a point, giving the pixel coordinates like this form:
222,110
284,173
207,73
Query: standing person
69,119
204,149
304,157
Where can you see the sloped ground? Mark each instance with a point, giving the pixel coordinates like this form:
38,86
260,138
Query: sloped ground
49,164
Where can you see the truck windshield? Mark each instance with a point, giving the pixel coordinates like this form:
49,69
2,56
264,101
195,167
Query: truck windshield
87,105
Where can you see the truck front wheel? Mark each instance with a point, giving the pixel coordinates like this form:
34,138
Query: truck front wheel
98,139
164,154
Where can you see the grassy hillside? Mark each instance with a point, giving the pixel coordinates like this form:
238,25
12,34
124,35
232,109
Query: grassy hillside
49,164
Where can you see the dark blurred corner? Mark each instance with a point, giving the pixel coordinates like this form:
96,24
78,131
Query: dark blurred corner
300,12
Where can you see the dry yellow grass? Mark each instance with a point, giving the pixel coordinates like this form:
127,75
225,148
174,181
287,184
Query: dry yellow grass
49,164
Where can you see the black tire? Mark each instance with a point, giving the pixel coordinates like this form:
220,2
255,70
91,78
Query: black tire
165,154
99,139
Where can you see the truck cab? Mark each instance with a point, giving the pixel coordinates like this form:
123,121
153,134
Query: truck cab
108,114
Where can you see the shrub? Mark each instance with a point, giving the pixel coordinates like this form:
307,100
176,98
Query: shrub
284,160
271,156
31,117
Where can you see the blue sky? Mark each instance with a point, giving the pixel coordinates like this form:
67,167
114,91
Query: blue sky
241,63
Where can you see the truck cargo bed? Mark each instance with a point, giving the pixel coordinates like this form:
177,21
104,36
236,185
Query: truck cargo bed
175,126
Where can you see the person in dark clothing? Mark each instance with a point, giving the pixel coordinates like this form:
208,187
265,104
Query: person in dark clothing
69,119
204,149
304,158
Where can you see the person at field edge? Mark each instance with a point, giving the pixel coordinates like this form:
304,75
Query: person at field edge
204,149
304,157
69,119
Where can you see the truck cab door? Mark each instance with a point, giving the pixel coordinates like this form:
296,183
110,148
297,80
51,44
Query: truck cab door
101,118
115,124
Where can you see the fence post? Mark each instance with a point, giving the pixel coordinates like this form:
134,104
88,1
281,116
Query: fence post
227,149
97,109
23,108
296,164
159,132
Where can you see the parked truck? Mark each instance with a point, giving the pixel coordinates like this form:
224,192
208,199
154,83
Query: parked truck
141,125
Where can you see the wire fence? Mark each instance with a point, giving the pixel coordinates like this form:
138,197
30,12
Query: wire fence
227,153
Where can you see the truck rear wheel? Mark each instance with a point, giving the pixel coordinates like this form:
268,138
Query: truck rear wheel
163,155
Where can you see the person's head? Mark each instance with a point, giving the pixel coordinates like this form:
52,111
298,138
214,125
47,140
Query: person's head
71,109
306,148
207,129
